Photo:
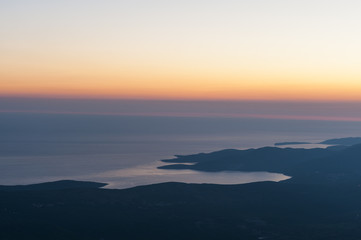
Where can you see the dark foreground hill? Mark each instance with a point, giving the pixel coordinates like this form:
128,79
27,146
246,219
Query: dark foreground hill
185,211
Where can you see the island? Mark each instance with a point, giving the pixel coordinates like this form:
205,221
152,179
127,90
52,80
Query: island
291,143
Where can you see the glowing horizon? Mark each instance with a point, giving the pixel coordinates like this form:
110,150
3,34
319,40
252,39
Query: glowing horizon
196,50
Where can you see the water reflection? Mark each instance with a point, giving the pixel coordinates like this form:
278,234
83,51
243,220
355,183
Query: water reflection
149,174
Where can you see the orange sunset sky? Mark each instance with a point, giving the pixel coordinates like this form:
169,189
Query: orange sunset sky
257,50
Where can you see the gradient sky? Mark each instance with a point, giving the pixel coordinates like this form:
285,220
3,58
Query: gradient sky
198,49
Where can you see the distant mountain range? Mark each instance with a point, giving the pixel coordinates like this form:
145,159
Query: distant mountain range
336,141
343,141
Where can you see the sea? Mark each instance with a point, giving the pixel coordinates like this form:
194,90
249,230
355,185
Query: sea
125,151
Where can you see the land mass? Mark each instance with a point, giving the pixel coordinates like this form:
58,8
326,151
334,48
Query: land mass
291,143
349,141
343,141
331,164
57,185
321,201
265,210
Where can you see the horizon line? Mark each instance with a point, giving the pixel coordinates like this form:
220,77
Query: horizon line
197,115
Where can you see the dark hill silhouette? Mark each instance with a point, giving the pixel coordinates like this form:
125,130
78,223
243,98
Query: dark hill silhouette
344,166
344,161
178,211
349,141
290,143
271,159
343,141
335,164
57,185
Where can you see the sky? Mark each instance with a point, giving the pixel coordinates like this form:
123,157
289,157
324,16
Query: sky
260,50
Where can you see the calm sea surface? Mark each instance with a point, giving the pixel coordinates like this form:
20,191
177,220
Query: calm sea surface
125,151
